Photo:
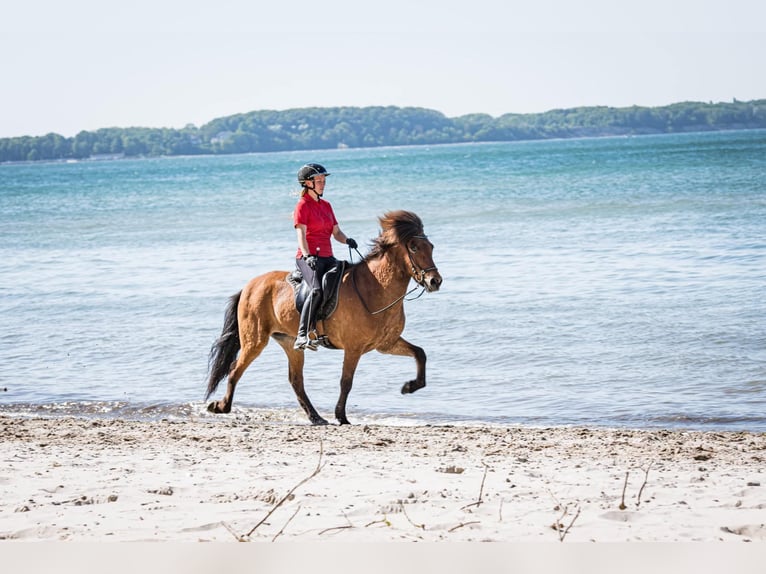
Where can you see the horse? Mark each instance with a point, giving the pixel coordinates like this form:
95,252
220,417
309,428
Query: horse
265,309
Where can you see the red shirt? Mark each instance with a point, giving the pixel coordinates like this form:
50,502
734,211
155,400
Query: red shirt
319,219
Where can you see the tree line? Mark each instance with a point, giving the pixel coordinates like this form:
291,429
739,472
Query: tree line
325,128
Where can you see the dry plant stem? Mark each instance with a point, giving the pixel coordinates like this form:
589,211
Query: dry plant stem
293,489
278,534
346,527
558,526
563,534
624,487
462,524
556,500
331,529
641,490
233,532
404,511
481,489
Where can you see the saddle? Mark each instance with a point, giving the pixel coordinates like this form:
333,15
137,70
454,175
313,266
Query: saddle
330,287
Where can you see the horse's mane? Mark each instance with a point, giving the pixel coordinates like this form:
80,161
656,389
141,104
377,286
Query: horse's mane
396,227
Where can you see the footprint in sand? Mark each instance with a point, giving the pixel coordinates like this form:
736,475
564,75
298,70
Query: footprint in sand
621,516
748,531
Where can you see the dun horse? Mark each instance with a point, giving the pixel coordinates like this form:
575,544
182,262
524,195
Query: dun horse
369,316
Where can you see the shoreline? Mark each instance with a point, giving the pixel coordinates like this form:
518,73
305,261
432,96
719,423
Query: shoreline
98,480
196,411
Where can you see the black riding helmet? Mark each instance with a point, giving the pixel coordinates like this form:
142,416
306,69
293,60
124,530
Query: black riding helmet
309,171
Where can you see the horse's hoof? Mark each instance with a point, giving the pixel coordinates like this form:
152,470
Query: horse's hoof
411,386
319,422
214,407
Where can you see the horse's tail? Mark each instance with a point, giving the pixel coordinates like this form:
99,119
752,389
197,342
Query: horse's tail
225,349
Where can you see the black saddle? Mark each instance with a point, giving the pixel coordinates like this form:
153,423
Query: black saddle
330,286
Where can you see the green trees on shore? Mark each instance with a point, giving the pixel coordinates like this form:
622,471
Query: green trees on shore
326,128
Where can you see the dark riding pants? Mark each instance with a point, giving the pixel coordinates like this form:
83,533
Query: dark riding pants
314,278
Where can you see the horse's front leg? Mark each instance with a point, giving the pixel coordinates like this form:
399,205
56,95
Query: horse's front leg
405,348
350,362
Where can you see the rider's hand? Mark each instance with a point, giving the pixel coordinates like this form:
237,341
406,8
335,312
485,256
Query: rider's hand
351,243
311,261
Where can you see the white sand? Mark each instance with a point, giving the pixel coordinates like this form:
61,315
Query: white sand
230,479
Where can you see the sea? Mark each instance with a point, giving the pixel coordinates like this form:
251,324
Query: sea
614,282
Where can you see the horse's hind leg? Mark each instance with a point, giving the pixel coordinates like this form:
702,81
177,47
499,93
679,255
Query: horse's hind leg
403,347
295,361
246,356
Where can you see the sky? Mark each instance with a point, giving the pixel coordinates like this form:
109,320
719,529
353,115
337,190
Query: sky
76,65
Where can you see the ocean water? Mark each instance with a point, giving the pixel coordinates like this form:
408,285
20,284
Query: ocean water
611,282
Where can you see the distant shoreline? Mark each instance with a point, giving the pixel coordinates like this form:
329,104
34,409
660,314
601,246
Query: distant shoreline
371,127
119,157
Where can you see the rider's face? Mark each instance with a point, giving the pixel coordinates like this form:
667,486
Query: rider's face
319,182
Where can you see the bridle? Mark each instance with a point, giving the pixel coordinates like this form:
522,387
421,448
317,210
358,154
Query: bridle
418,274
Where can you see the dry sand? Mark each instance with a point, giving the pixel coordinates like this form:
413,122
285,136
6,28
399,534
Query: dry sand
239,479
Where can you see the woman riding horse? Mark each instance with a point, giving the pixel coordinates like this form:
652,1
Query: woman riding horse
369,316
314,223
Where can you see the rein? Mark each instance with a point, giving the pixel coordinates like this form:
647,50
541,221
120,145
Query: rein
387,307
418,276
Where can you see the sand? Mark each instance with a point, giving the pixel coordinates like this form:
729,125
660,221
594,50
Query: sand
241,479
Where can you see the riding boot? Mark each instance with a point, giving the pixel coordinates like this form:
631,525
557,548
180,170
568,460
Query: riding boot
307,322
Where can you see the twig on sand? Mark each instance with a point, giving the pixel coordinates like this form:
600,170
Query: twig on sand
233,532
463,524
319,467
347,526
278,534
481,489
641,490
404,511
558,526
562,534
624,487
326,530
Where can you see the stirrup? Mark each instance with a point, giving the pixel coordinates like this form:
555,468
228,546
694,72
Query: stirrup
301,343
312,344
306,342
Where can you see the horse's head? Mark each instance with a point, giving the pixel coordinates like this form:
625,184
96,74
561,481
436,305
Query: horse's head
405,229
422,267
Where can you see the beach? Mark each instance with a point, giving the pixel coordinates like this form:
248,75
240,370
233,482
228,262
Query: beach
238,478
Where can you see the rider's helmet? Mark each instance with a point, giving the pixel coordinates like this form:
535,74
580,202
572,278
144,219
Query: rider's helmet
309,171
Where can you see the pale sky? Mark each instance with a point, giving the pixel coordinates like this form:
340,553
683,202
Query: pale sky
72,65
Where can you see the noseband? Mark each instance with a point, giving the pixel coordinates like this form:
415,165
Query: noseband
418,273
